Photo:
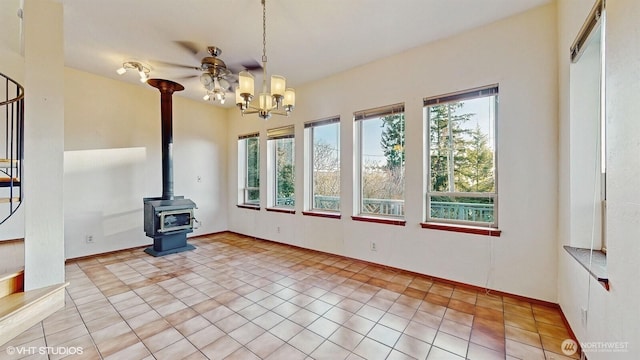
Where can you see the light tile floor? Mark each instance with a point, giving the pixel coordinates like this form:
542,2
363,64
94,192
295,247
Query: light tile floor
235,297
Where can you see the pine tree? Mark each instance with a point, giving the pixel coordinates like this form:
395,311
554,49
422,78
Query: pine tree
447,141
392,142
476,166
285,170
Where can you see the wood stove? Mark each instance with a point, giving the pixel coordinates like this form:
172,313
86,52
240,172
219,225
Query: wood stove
167,219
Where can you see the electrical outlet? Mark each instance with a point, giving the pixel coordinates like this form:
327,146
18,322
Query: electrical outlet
374,246
583,316
89,239
278,229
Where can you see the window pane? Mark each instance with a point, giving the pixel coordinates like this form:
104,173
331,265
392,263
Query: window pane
382,165
285,172
462,159
462,146
252,185
326,167
462,208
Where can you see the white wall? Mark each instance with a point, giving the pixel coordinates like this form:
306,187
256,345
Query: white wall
112,155
44,144
113,161
520,54
613,315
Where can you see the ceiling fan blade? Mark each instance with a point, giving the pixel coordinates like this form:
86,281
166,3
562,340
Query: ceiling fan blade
190,46
187,77
250,65
161,63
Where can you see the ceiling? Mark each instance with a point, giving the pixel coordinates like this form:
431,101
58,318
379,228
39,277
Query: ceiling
306,39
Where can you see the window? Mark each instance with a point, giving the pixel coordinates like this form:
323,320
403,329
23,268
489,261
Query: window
461,156
380,162
281,144
323,156
587,159
249,169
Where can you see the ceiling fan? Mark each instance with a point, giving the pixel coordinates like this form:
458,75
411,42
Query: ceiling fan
216,77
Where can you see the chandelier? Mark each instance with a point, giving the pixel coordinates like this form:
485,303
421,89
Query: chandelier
280,101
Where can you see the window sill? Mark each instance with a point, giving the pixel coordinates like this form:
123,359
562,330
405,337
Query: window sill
323,214
244,206
598,268
462,229
379,220
281,210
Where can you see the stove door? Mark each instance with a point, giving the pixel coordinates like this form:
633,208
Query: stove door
176,220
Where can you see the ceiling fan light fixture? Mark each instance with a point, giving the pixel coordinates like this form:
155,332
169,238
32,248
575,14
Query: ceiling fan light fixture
206,80
280,101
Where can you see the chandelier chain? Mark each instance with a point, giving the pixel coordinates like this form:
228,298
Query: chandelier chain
264,31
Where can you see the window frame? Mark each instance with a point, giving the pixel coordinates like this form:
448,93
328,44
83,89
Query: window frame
594,28
274,134
309,128
463,95
244,170
359,117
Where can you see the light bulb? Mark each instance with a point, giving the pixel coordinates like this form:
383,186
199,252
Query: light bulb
206,97
121,71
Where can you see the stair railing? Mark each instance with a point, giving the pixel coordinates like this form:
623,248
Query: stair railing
12,156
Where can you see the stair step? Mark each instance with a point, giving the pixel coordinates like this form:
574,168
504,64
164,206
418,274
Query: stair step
12,282
4,200
20,311
7,163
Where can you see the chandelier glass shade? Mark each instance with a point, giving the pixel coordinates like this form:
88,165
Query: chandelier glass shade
216,87
279,101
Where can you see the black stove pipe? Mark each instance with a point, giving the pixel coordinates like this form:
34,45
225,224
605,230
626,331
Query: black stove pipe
166,88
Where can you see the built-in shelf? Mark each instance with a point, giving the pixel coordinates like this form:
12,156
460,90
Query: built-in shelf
380,220
324,214
462,229
250,207
281,210
595,262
